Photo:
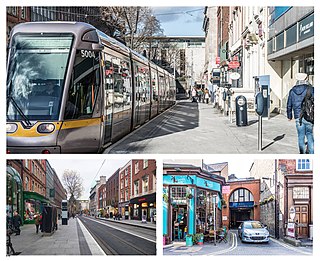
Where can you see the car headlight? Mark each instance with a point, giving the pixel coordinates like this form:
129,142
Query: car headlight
245,232
11,127
46,128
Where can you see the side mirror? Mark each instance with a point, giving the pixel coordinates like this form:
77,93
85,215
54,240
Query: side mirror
97,47
239,227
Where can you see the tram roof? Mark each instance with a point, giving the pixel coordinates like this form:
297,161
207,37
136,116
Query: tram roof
53,26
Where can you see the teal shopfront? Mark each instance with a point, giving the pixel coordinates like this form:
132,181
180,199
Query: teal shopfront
14,201
191,204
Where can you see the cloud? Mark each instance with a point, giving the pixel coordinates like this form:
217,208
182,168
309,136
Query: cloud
170,14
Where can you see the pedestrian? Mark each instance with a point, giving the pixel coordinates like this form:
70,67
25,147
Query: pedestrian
206,95
194,95
17,222
37,221
200,95
297,95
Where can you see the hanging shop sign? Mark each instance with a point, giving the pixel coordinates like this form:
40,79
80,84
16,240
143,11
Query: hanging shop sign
233,64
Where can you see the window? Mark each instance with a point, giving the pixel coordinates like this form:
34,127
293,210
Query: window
145,184
121,186
23,12
126,172
304,164
241,195
178,193
26,163
136,187
26,181
126,195
84,85
300,193
136,167
126,182
145,164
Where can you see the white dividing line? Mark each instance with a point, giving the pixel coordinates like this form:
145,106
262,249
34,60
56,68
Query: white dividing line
122,230
233,246
291,247
90,240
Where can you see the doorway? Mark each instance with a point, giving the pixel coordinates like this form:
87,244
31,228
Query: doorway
179,222
238,215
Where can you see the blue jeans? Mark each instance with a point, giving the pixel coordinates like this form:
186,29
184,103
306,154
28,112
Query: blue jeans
305,130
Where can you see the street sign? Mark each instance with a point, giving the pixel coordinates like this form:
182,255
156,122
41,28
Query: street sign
233,64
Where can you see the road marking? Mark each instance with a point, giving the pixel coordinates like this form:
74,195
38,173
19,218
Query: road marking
233,246
87,235
290,247
125,231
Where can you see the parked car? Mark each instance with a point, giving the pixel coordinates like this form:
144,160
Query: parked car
253,231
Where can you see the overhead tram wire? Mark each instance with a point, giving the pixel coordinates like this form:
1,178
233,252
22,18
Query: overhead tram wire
98,172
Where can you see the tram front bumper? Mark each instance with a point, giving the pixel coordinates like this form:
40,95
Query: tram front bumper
34,150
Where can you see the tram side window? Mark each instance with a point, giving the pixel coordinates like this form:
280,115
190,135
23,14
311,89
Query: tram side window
84,86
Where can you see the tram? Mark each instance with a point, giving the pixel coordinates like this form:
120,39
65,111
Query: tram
73,89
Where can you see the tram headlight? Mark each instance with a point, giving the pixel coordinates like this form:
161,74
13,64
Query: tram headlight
46,128
11,127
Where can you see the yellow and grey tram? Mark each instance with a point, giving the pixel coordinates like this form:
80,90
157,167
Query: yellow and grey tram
73,89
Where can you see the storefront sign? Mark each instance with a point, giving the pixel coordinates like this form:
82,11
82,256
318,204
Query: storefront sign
247,204
306,28
290,230
190,180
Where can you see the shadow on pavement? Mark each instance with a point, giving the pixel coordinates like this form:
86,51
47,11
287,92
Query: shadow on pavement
274,141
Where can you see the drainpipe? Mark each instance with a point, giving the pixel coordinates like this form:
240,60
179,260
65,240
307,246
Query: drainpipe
276,206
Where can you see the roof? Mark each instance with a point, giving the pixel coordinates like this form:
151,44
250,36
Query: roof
216,167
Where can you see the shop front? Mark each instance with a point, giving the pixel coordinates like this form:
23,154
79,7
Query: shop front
125,209
14,200
33,203
191,205
144,207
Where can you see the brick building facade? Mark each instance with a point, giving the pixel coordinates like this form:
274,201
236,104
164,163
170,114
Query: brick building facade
240,201
125,190
143,199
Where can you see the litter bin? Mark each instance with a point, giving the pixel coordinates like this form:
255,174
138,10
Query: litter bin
241,111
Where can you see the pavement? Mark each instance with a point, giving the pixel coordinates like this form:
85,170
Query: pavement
180,248
71,239
198,128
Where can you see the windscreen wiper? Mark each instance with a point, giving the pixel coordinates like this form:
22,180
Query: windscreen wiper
16,106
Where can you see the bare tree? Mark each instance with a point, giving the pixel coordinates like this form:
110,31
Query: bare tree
130,24
72,182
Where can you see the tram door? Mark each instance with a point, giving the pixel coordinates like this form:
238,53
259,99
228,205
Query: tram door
108,98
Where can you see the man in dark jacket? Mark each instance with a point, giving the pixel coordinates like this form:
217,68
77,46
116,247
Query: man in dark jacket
16,222
296,96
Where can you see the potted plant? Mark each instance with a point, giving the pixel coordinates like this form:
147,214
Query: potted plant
189,196
165,198
189,240
198,238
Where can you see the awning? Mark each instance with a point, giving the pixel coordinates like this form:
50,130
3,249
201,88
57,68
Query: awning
150,198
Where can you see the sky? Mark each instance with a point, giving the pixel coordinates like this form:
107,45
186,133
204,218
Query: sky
89,169
180,21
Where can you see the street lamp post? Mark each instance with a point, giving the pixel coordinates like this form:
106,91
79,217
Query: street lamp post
214,219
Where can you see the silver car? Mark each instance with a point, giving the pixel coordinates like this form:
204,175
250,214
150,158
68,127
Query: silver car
253,231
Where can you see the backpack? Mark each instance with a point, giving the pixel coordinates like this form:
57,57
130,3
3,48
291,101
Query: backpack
307,107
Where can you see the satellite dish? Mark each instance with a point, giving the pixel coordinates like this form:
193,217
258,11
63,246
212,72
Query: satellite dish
234,76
